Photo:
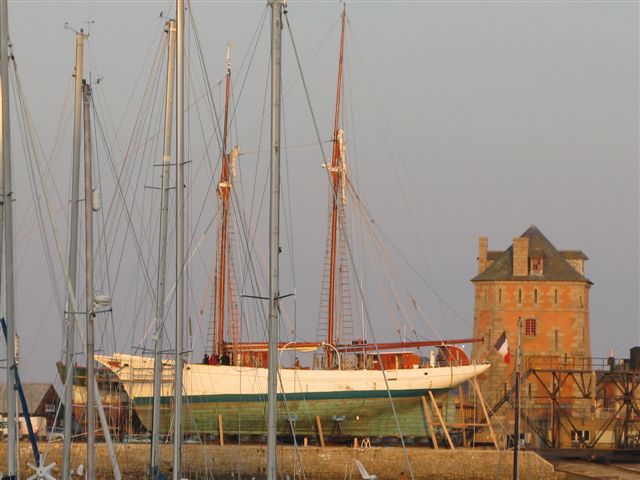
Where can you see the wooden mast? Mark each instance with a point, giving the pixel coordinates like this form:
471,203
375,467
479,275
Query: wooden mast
224,190
335,171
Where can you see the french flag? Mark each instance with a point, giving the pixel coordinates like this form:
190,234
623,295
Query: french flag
503,347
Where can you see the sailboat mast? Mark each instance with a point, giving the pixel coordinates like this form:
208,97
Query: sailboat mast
177,430
5,198
162,254
335,198
224,190
274,233
90,305
73,261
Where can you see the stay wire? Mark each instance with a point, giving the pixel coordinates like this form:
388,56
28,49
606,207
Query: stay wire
394,153
28,138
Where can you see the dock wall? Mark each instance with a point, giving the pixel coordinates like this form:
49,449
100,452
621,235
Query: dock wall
389,463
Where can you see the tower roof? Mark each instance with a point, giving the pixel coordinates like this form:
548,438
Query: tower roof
556,266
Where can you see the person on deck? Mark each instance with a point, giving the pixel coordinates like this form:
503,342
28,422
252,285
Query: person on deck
205,359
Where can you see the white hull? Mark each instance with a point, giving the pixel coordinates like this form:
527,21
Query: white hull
136,374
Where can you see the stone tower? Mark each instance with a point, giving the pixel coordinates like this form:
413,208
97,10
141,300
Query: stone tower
543,286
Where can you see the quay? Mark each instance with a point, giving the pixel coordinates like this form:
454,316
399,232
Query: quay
329,463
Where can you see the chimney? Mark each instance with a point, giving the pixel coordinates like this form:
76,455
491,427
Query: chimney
520,257
483,246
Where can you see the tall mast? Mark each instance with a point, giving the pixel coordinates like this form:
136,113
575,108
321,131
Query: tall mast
274,234
162,254
6,197
177,430
335,171
73,261
90,304
224,191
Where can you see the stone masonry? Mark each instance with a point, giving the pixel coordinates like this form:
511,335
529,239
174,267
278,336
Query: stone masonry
547,289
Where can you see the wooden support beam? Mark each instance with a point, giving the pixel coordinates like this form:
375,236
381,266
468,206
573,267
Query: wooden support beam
444,426
427,418
463,416
474,382
320,434
220,430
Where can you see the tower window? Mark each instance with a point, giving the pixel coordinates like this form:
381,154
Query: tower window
535,295
530,327
555,296
519,295
499,295
536,266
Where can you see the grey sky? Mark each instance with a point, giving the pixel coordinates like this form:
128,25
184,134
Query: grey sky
492,116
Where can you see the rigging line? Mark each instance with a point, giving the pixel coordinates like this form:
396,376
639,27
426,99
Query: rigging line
250,273
34,137
306,89
383,279
36,140
64,113
147,97
255,41
354,160
286,86
296,448
98,164
187,262
383,250
208,88
254,188
204,159
395,153
304,146
311,111
373,224
136,83
245,275
315,50
382,369
126,210
29,148
286,201
290,231
112,209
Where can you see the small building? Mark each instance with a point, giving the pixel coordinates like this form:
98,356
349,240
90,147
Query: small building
42,401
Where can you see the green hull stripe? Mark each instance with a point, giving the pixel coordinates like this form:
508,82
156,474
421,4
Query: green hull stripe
306,396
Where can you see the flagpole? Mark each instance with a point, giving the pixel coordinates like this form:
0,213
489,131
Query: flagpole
516,446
